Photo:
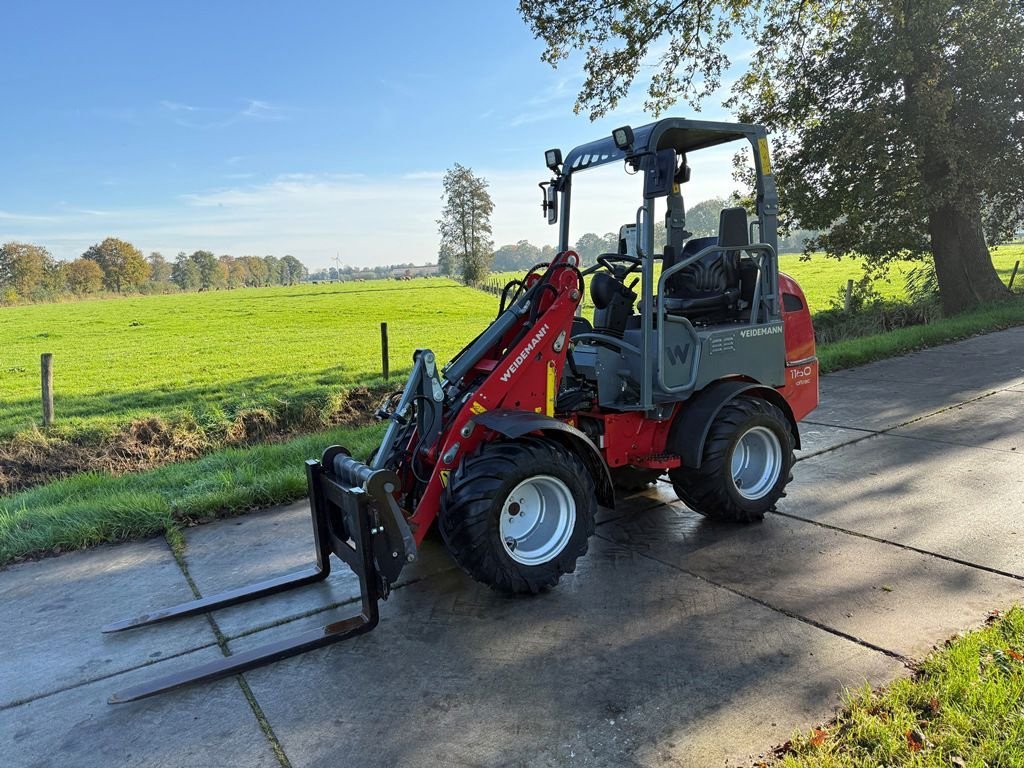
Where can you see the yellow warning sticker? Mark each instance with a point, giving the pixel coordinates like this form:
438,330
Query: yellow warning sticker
766,162
444,477
476,408
549,399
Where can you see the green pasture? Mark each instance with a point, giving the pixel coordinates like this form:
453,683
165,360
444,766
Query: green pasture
214,353
823,279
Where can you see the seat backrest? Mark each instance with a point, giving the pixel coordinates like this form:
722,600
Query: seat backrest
732,227
732,231
697,278
717,272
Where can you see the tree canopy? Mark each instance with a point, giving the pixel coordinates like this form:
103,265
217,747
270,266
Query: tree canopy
23,267
898,127
465,225
28,272
123,265
83,276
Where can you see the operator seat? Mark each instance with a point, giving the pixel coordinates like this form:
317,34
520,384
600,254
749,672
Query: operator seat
710,287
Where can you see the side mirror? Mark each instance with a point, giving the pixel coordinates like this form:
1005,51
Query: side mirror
550,204
628,240
659,173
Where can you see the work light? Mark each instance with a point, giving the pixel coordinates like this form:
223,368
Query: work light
623,137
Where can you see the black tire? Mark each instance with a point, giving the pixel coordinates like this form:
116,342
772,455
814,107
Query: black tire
630,478
471,512
712,490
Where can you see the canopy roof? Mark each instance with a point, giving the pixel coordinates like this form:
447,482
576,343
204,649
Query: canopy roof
671,133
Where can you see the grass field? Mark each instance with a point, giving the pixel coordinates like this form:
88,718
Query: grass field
215,353
822,279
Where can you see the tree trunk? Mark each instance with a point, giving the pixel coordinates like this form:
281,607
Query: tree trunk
963,264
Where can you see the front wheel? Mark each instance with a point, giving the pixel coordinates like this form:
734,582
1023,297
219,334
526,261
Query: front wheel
518,514
748,456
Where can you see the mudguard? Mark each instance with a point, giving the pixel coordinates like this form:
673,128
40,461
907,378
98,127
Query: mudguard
515,424
697,414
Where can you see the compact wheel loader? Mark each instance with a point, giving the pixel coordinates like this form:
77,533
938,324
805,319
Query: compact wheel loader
698,363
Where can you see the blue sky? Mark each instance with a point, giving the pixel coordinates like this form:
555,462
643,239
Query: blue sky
307,128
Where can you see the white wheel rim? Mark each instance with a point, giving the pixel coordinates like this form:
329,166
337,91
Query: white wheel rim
537,520
756,462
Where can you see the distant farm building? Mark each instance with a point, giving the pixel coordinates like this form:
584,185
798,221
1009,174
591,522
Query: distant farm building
429,270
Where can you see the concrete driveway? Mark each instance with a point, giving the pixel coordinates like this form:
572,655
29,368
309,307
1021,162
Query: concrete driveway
677,642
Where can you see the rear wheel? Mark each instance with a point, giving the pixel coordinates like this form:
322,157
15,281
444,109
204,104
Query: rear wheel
517,514
746,463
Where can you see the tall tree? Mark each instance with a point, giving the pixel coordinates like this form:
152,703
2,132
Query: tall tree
702,218
273,273
514,258
292,270
899,127
211,272
256,271
83,276
465,223
159,269
446,259
186,274
123,265
589,246
23,267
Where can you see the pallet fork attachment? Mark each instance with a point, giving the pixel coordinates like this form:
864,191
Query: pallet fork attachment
355,517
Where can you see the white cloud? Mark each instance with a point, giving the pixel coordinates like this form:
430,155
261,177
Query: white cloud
258,109
11,216
177,106
192,116
367,219
424,176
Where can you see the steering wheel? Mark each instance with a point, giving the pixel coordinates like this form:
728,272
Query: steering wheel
608,260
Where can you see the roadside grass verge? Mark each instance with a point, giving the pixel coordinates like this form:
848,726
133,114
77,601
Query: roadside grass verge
36,457
865,349
94,508
964,707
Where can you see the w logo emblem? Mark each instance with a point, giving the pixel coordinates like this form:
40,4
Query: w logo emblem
677,355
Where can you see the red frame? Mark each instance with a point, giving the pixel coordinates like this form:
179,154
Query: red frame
523,380
801,387
516,381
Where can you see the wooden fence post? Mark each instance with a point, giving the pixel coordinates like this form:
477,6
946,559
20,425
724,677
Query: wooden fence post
848,302
384,350
1012,276
47,377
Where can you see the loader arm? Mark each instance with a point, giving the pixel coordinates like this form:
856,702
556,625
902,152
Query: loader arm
516,364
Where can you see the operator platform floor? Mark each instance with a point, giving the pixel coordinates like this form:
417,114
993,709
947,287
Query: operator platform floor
677,642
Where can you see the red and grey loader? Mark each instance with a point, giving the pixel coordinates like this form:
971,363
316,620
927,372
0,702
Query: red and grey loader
699,371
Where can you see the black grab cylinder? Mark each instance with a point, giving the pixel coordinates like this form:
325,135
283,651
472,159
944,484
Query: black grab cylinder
351,471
